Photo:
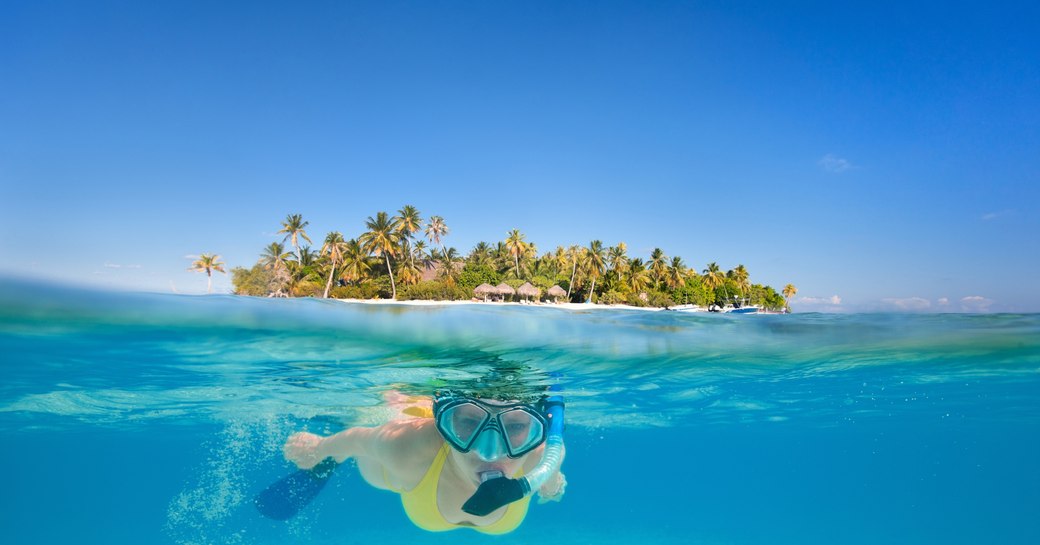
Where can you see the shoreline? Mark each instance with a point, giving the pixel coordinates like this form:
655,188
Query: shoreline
561,306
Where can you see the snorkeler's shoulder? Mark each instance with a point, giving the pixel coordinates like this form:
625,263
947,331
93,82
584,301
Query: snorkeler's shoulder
406,450
408,440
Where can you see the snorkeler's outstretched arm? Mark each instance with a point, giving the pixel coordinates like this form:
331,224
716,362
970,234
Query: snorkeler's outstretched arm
317,457
393,444
306,449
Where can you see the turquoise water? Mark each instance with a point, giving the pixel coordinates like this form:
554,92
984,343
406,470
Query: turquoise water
136,418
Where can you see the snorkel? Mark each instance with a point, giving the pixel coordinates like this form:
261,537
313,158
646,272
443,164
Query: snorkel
496,492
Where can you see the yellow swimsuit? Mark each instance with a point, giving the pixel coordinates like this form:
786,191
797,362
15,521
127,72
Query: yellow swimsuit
420,503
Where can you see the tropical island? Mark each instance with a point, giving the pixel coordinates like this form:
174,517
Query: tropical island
403,257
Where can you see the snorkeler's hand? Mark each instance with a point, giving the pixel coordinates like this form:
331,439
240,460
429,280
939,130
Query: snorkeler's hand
553,489
303,449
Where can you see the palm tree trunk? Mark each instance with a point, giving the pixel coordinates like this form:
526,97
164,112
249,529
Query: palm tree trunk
328,285
209,282
393,286
574,269
592,290
516,259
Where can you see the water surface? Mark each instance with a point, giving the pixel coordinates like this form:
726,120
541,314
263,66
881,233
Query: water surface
141,418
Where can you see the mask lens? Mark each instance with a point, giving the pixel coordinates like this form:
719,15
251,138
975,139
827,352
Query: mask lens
461,423
522,430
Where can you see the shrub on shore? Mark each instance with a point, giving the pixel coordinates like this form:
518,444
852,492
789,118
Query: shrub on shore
433,290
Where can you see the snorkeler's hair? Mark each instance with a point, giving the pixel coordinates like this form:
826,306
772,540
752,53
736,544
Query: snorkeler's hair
498,380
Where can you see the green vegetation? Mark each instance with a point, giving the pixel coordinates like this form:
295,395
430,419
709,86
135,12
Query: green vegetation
389,260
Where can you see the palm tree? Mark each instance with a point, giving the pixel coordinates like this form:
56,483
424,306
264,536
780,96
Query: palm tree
574,255
355,262
559,261
435,230
658,265
500,257
617,259
208,263
276,260
333,248
638,276
293,227
740,277
595,262
408,273
528,259
407,222
517,247
306,257
449,258
546,266
789,292
713,277
419,253
382,239
676,275
480,254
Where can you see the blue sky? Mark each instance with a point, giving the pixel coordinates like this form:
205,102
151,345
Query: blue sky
879,156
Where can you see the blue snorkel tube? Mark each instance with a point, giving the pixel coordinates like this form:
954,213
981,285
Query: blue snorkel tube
494,493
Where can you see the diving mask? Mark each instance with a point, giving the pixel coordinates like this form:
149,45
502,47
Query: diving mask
489,428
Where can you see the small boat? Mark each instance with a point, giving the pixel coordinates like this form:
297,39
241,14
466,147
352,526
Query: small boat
688,308
740,306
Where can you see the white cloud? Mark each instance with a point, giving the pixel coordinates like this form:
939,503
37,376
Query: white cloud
833,163
976,303
990,216
907,304
118,266
818,304
944,301
832,300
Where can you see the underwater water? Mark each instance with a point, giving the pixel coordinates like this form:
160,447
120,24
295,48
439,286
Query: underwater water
142,418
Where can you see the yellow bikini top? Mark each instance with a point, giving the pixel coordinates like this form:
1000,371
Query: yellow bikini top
420,504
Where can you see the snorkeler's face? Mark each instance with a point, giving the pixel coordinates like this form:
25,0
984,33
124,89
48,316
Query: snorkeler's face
491,429
475,468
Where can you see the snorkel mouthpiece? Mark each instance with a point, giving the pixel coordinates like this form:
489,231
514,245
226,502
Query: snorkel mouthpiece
488,475
495,492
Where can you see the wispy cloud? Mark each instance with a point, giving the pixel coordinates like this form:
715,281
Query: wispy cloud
818,304
833,163
832,300
118,266
907,304
990,216
976,303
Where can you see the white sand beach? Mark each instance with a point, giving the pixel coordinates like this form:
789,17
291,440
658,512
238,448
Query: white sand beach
562,306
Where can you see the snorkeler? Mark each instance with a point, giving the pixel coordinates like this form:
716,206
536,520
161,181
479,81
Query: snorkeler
473,461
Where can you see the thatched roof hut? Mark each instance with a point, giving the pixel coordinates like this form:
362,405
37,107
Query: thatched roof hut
484,290
528,290
504,289
556,292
